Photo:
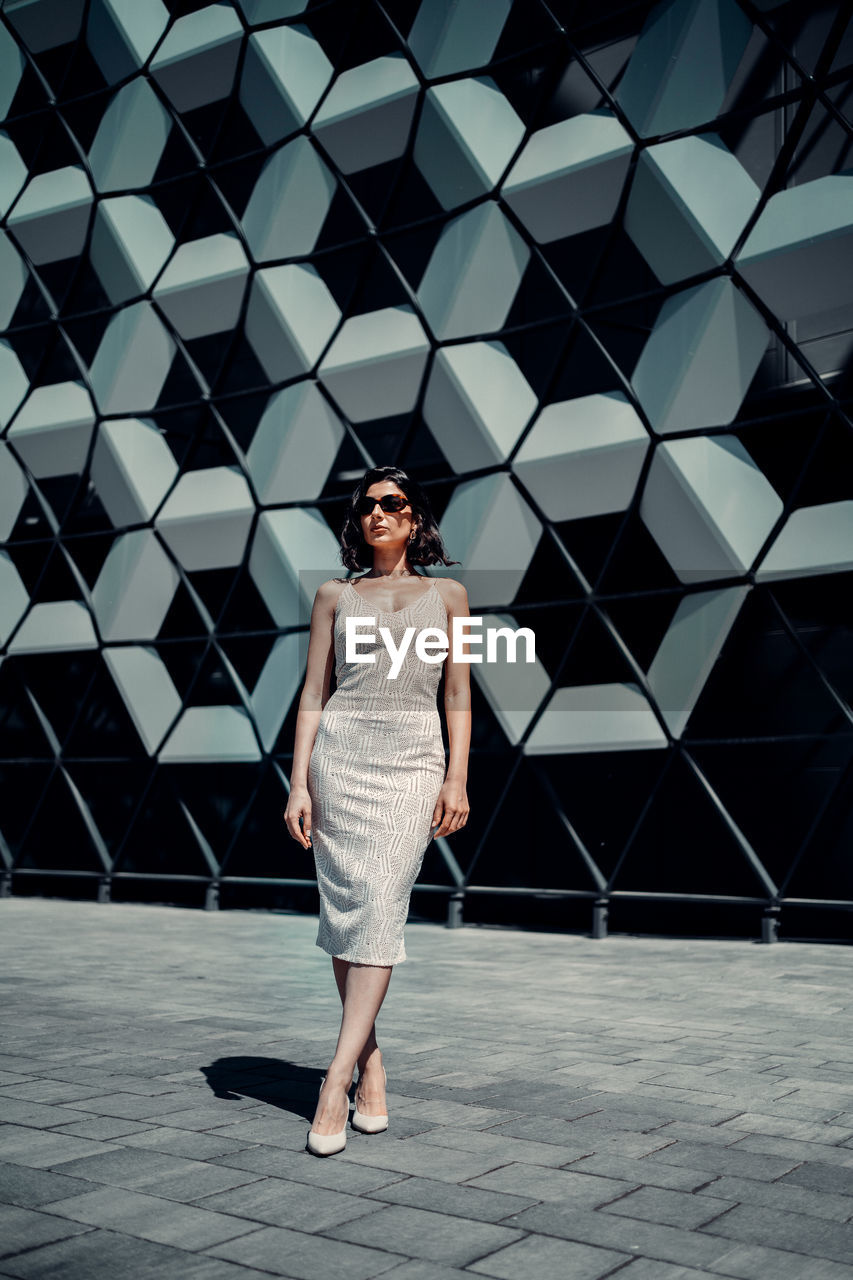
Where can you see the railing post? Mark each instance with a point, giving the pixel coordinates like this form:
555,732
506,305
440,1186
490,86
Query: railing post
454,910
599,917
211,897
770,924
104,889
5,884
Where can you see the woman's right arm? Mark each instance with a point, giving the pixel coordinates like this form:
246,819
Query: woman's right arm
315,694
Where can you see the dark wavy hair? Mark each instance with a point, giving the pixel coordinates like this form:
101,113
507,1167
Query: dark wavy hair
427,547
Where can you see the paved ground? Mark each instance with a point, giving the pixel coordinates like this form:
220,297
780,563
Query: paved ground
649,1108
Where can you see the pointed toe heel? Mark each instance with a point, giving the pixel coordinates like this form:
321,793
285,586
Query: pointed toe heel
327,1144
369,1124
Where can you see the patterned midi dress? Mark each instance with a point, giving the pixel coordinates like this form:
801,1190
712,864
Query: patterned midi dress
375,771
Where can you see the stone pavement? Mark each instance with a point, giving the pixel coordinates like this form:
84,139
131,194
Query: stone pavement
656,1109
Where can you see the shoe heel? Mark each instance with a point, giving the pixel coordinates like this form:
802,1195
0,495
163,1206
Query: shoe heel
369,1124
327,1144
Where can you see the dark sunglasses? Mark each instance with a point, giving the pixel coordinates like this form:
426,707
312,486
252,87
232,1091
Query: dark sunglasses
389,502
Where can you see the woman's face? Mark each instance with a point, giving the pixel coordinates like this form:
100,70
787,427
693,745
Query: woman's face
386,528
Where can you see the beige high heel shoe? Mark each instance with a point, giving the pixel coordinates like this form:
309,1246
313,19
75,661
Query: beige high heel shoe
327,1144
369,1124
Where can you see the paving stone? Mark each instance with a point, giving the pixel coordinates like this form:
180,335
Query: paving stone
797,1232
150,1170
645,1172
675,1208
544,1128
105,1128
458,1113
338,1175
101,1253
459,1201
649,1269
46,1091
546,1257
33,1187
777,1126
551,1184
40,1149
821,1177
305,1257
151,1218
666,1111
755,1262
646,1239
245,1124
40,1115
279,1203
783,1195
503,1150
723,1160
419,1269
763,1144
188,1143
413,1156
710,1135
422,1234
26,1228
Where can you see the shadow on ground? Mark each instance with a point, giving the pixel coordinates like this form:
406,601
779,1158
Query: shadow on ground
274,1081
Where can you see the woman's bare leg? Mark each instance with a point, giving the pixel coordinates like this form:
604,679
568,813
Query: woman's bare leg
364,987
370,1090
341,968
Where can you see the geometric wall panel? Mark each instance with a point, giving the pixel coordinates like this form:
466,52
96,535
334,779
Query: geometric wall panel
201,290
799,254
569,177
121,35
708,506
365,118
683,63
289,203
466,137
584,457
290,318
477,403
131,241
14,383
295,445
448,36
689,202
196,62
700,359
473,275
206,518
50,217
130,139
373,367
284,77
132,469
51,432
584,272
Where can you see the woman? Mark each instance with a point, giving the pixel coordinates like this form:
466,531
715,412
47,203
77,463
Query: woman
368,783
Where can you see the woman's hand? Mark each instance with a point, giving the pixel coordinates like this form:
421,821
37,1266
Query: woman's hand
299,806
451,809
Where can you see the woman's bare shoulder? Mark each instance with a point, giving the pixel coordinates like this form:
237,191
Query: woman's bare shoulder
453,593
327,593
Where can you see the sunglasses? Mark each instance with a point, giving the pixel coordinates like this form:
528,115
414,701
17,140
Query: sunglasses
389,502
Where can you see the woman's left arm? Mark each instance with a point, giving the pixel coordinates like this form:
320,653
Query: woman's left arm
452,809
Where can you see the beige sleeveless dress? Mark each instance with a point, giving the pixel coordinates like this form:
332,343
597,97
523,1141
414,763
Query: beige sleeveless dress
374,775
